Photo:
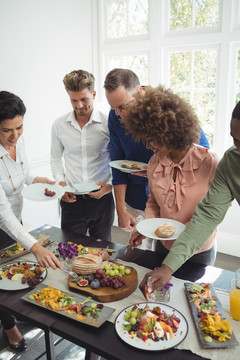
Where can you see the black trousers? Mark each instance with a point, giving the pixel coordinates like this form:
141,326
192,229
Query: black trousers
7,320
94,215
200,261
5,240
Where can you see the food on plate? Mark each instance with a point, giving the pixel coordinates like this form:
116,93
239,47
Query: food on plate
70,250
211,320
49,192
130,165
147,324
86,264
59,301
43,239
24,272
216,327
165,230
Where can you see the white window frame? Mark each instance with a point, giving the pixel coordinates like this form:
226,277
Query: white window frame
160,41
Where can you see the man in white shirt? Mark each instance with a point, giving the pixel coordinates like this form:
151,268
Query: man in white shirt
80,153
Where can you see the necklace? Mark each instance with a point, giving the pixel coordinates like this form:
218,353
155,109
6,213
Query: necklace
10,177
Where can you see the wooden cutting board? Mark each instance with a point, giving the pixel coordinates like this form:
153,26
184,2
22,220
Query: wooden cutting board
108,294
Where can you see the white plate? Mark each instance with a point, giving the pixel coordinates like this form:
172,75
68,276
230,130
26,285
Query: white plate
151,345
148,227
82,188
6,284
36,192
116,164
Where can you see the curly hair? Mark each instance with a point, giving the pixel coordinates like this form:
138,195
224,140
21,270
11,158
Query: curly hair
162,117
78,80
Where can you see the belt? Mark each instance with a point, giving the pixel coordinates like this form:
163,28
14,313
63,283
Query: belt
84,196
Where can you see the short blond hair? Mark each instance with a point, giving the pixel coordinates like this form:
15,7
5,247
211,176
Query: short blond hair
79,80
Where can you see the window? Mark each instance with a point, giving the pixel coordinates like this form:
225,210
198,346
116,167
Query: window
126,18
185,14
191,46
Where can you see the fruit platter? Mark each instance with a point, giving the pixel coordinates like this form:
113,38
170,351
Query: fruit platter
21,275
213,327
78,308
15,250
106,281
152,326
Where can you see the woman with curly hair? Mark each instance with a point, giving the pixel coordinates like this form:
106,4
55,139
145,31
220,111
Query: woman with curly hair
180,171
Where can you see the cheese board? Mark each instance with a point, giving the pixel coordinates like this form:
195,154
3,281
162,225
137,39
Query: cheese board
109,294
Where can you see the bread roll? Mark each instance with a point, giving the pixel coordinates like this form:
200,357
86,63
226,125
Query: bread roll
165,230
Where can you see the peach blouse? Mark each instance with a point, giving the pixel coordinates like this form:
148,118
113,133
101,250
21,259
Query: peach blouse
178,199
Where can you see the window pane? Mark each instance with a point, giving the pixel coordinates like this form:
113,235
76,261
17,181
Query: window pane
180,76
126,17
238,70
206,13
204,104
205,63
193,77
185,14
136,63
180,14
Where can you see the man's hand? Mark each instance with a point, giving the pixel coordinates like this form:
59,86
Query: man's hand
69,197
105,189
136,240
45,257
44,180
160,277
126,221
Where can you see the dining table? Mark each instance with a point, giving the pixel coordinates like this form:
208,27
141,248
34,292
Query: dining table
104,340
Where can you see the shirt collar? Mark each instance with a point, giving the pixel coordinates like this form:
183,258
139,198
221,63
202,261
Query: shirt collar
95,117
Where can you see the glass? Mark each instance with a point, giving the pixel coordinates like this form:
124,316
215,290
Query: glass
235,299
162,294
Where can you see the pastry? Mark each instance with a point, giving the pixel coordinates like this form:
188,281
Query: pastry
165,230
130,165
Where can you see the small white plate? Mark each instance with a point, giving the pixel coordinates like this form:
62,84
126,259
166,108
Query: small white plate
6,284
82,188
148,227
36,192
151,345
116,164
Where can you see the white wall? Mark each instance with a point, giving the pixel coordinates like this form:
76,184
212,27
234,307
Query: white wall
40,42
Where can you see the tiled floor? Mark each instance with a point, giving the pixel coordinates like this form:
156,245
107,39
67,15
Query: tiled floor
64,349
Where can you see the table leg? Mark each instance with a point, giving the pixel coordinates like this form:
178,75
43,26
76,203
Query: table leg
49,345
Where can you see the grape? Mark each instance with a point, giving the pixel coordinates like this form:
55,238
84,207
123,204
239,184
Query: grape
127,271
116,286
99,271
134,314
133,321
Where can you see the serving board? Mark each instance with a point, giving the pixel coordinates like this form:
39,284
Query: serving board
108,294
215,344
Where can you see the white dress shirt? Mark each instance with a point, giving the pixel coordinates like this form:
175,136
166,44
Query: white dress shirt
81,155
11,201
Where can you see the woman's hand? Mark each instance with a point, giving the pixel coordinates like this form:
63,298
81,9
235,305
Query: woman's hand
136,239
44,180
160,277
105,189
126,221
45,257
